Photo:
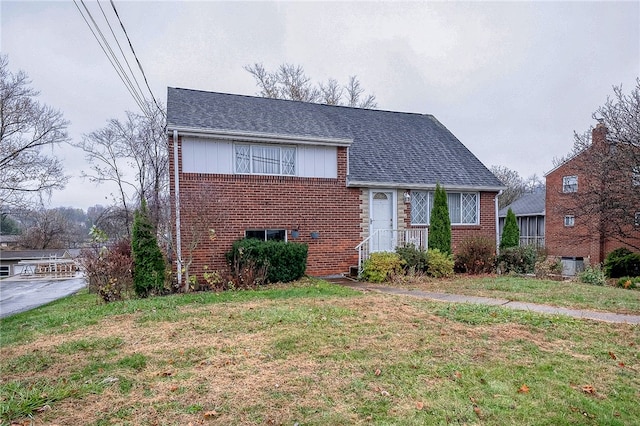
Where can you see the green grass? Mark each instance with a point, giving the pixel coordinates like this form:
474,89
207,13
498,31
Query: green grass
570,294
315,354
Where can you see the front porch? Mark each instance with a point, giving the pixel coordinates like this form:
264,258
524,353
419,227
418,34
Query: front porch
388,240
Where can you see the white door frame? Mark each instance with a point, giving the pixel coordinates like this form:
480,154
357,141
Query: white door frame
394,208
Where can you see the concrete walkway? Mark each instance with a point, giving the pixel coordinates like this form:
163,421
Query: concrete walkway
522,306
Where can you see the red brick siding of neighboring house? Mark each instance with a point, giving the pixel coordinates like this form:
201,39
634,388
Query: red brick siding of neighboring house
587,237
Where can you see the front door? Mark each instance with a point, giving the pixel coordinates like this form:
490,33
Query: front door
382,221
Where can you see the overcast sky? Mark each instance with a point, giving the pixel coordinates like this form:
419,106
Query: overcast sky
512,80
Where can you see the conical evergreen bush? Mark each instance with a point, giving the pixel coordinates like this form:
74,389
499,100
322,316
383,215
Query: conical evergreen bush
439,222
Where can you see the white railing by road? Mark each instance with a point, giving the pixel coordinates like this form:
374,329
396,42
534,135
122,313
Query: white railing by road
389,240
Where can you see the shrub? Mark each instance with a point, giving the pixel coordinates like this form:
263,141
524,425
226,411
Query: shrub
628,282
622,262
108,271
415,260
381,266
476,255
520,260
276,261
511,232
439,222
548,266
148,262
592,275
439,265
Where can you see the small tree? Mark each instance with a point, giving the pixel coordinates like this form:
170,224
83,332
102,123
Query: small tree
148,262
511,232
439,222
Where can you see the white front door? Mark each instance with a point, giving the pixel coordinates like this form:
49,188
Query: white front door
382,221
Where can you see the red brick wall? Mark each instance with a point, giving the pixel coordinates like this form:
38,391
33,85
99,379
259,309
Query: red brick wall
486,227
587,238
231,204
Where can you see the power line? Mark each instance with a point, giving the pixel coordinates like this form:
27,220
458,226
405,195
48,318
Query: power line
138,98
136,56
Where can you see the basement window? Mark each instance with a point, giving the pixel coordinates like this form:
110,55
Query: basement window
266,234
569,221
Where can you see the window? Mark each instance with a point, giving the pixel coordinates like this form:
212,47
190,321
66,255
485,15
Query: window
267,234
570,184
463,207
635,176
636,221
4,271
265,159
569,220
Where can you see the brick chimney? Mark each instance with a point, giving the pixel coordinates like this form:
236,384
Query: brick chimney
599,136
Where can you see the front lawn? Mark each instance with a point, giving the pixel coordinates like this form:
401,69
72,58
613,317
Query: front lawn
568,294
312,353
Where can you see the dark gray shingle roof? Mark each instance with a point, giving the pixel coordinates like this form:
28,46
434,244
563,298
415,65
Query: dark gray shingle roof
388,147
532,204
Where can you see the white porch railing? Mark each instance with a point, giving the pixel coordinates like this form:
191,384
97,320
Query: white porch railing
389,240
538,241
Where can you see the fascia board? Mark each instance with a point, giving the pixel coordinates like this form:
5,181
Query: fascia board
259,137
396,185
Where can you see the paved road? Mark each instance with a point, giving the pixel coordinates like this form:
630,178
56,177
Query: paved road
19,294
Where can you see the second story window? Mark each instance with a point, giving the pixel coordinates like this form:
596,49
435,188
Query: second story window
569,221
570,184
635,176
265,159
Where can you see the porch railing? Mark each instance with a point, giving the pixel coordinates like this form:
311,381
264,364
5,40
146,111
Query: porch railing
537,242
389,240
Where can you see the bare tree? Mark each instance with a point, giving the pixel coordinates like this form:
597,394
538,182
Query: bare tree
291,82
514,183
133,154
608,198
26,128
47,229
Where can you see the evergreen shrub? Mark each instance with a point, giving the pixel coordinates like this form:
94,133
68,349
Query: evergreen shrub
510,232
439,264
148,262
622,262
440,223
283,261
519,260
415,259
381,266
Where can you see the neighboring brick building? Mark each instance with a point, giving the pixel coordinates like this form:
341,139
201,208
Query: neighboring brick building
575,223
328,176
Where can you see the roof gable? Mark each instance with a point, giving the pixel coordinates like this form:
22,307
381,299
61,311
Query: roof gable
388,148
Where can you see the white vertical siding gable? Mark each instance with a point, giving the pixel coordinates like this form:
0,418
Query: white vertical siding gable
217,157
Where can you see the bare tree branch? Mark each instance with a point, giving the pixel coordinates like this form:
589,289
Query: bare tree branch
291,82
26,127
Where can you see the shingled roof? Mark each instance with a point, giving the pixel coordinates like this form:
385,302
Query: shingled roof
530,204
389,148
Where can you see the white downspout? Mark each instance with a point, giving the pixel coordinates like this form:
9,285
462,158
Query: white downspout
495,202
176,174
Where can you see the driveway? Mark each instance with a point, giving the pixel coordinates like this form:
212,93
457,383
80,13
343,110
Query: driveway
23,294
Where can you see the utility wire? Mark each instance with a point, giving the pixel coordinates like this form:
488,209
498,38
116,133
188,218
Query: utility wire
115,63
136,56
122,52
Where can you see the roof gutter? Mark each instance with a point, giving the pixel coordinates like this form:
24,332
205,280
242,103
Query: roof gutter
420,186
259,136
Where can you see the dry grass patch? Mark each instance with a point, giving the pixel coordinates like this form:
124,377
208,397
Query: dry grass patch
365,359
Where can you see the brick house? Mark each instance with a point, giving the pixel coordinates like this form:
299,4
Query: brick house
329,176
575,225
